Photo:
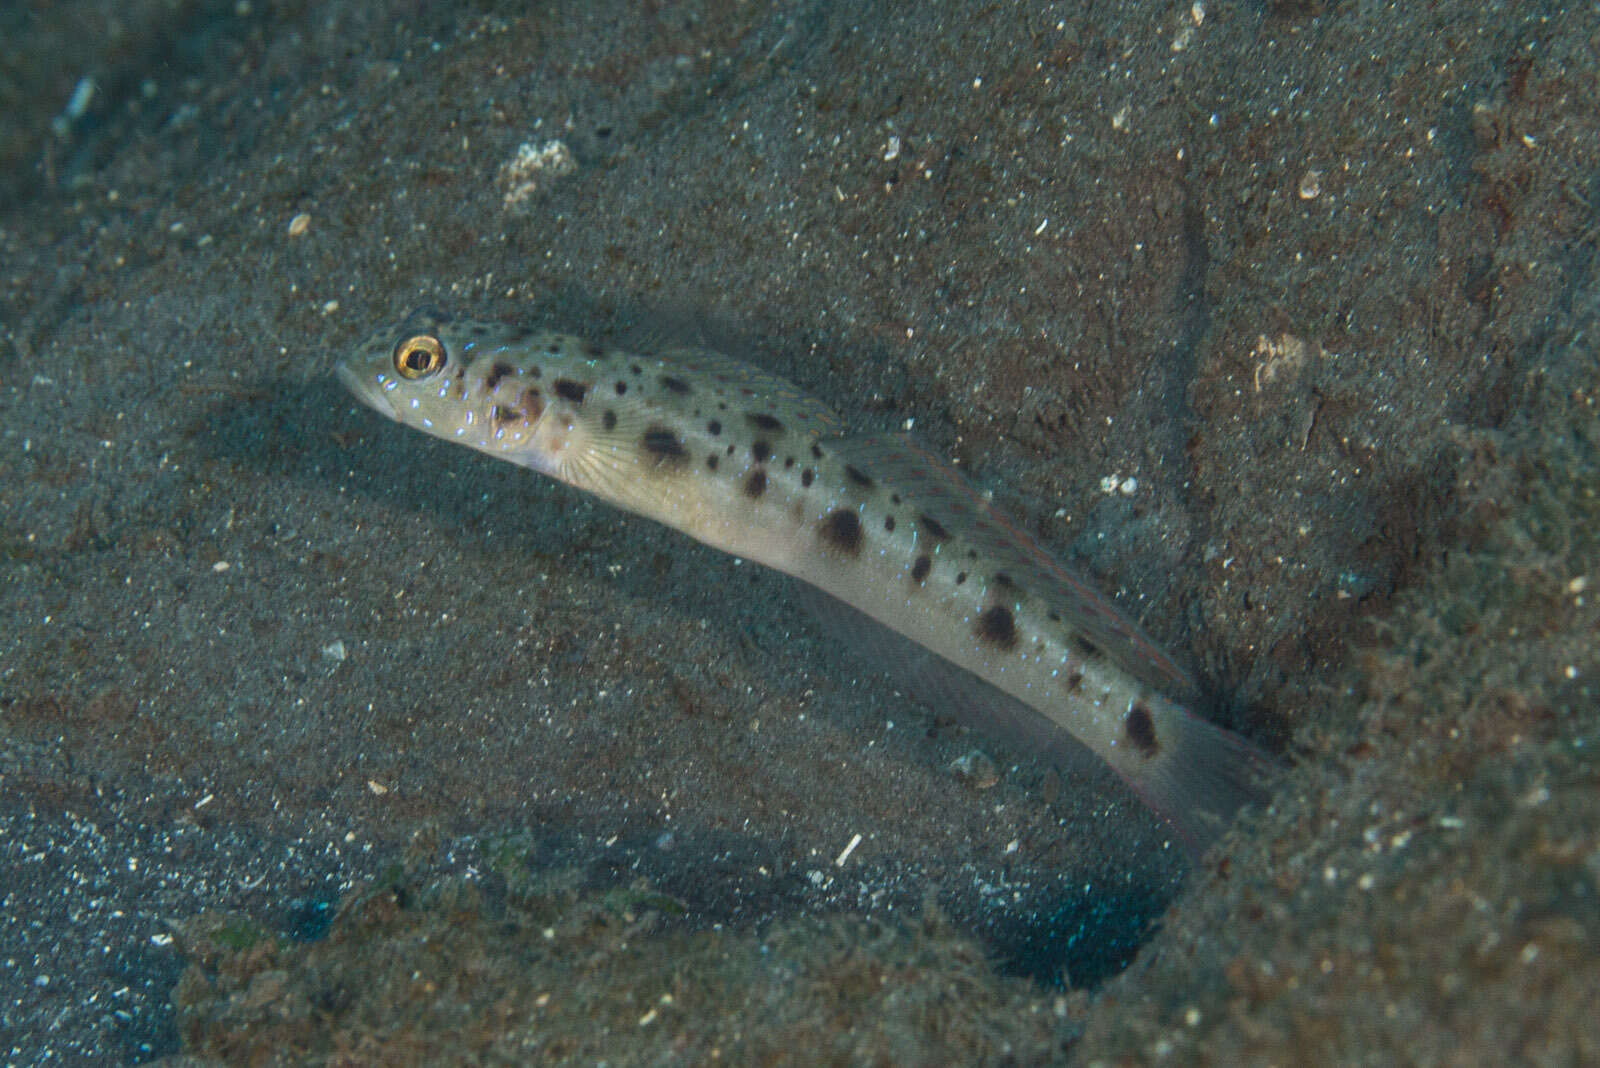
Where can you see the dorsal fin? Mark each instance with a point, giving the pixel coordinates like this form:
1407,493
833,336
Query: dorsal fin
791,403
899,460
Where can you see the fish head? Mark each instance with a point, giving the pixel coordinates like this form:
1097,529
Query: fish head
499,389
392,366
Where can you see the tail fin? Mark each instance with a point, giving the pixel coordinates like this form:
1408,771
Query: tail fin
1203,776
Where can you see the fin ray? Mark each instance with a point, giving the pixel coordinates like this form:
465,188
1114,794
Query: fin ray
947,688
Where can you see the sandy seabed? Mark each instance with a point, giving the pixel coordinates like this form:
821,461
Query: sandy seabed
323,742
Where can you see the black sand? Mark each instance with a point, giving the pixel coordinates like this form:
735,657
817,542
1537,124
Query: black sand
324,742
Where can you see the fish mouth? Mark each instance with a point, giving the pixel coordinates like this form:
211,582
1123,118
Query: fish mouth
366,389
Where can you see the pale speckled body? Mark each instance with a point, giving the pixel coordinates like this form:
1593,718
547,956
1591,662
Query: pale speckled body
744,461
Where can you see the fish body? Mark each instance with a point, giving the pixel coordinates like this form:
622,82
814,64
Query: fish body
745,461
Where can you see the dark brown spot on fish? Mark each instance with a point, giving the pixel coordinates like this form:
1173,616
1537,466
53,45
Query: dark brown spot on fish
841,528
1085,646
934,528
816,452
1141,731
961,576
609,420
856,475
502,414
622,387
888,523
760,450
593,351
756,484
714,427
1074,681
536,371
996,626
569,390
674,384
763,421
788,462
711,461
807,476
496,373
663,444
635,369
920,569
532,405
1003,580
1053,616
894,498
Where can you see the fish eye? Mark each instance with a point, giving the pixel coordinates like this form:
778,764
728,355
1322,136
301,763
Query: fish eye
419,357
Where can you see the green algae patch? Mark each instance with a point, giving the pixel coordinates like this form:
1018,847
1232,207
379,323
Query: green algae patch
452,972
211,937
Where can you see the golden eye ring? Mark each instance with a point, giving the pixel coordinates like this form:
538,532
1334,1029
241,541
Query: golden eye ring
419,357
